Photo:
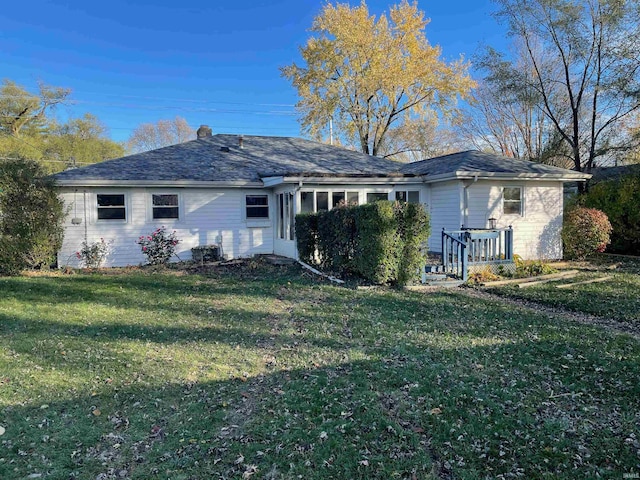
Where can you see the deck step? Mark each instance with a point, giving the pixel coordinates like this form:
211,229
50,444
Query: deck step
433,277
450,283
434,269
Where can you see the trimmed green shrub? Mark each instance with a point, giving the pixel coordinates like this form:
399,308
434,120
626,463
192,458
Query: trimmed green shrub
585,232
378,246
31,216
414,229
307,236
620,200
380,242
336,239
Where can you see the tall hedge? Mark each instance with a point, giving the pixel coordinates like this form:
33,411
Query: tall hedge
379,246
414,229
620,200
336,239
307,236
31,217
380,242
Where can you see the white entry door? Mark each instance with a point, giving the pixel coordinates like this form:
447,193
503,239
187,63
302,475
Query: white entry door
284,241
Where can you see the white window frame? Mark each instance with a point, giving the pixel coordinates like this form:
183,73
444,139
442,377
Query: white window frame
406,193
386,192
522,201
285,213
330,191
125,205
257,221
151,207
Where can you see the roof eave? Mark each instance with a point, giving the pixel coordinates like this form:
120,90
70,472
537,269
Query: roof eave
351,180
466,175
157,183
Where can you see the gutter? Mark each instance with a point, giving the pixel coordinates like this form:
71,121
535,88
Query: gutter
475,176
156,183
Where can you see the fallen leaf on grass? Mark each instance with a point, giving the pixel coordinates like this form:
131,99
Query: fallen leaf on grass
436,411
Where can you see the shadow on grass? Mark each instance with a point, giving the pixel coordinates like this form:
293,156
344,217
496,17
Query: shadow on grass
398,416
442,386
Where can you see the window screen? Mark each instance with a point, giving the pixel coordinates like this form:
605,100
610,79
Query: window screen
165,206
257,206
111,207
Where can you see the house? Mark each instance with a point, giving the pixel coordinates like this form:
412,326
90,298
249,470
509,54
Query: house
242,194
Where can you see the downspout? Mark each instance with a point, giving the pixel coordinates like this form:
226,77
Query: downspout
84,209
465,200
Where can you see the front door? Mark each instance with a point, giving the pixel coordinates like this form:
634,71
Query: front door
284,242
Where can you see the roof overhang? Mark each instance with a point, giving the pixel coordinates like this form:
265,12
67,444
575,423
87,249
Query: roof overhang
341,179
529,176
157,183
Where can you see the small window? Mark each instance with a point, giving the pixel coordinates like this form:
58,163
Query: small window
377,196
165,206
512,200
322,199
111,207
257,206
352,198
338,198
306,202
408,196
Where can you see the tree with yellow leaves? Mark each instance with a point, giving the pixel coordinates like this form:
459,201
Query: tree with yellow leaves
373,76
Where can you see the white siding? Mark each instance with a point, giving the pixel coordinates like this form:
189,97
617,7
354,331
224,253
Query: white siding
536,234
444,210
207,216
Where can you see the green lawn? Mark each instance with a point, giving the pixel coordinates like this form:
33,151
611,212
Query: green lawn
266,373
615,299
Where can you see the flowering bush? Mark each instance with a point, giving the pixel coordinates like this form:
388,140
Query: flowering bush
93,254
585,232
159,247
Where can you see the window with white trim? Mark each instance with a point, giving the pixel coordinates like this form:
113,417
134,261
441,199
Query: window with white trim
111,206
257,206
165,206
317,201
512,200
285,216
377,196
408,196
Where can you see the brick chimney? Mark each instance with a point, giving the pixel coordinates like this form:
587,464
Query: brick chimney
204,131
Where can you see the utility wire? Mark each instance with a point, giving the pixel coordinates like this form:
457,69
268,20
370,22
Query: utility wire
144,97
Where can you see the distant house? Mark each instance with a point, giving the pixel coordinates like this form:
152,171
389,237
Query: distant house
242,194
602,174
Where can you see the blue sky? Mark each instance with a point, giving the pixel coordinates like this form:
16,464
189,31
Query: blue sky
211,62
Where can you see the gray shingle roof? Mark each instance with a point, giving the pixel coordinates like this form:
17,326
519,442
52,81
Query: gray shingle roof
204,160
474,161
602,174
219,158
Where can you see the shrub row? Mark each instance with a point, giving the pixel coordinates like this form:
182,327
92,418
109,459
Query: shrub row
620,200
380,241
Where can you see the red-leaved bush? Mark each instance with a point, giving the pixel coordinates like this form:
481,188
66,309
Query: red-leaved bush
585,232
